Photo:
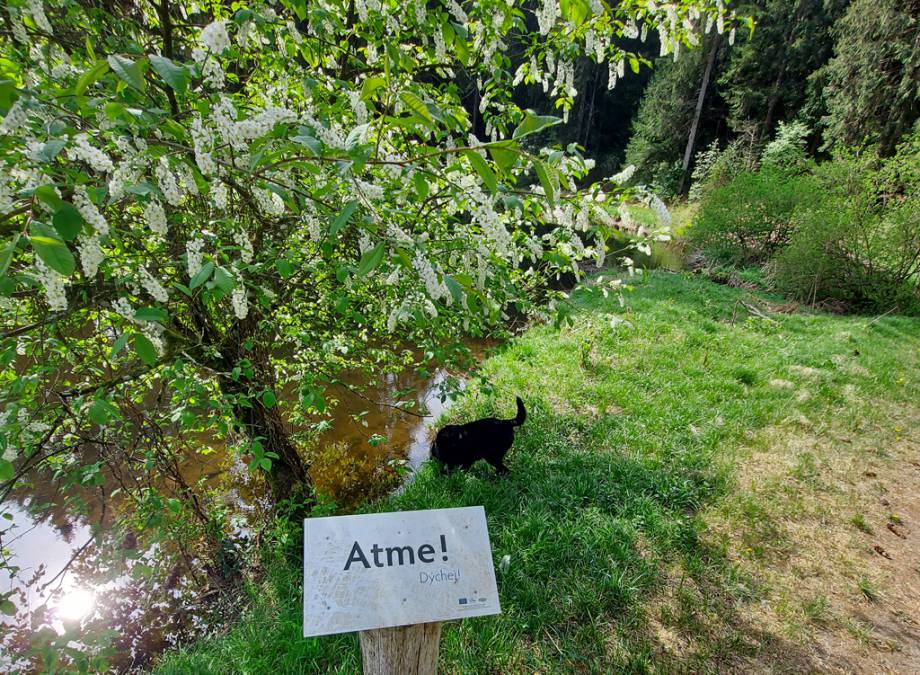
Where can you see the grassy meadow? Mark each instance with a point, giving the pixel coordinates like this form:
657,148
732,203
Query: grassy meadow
703,483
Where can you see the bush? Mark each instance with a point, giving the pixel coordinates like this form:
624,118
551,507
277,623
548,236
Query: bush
858,243
787,151
749,219
715,168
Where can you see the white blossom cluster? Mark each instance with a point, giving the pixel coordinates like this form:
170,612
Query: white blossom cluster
214,37
615,71
546,17
166,181
270,202
122,307
53,285
123,175
457,12
81,150
242,240
211,71
193,256
201,144
6,191
219,195
89,211
187,177
623,176
155,217
238,300
91,255
153,286
436,289
369,190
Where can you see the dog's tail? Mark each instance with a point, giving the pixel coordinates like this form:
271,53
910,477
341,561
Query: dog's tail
521,413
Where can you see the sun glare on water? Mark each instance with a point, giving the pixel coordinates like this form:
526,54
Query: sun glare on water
75,604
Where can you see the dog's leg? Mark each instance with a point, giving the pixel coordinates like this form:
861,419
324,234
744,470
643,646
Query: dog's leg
498,463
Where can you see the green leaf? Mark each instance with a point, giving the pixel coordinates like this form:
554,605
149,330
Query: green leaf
101,412
224,280
9,94
174,505
455,290
268,398
175,76
6,606
344,216
50,150
96,71
119,344
127,70
151,314
482,168
145,349
285,269
203,275
371,260
53,252
6,470
354,136
67,221
416,105
547,174
504,157
533,123
370,86
185,290
47,195
309,142
142,188
6,254
421,184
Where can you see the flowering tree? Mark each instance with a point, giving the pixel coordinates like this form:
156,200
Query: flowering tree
201,208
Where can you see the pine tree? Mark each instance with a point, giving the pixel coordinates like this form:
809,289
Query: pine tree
873,79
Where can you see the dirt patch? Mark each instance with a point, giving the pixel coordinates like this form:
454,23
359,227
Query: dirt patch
827,523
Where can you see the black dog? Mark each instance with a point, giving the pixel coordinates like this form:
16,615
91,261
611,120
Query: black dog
489,439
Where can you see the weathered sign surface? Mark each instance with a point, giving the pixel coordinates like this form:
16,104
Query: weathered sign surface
395,569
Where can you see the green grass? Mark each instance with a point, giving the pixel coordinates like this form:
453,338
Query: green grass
633,428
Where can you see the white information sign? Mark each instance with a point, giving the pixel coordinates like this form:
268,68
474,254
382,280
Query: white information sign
395,569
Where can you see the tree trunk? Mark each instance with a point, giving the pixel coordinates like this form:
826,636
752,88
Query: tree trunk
288,475
405,650
698,113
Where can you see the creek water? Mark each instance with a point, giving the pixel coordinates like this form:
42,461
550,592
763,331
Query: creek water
54,544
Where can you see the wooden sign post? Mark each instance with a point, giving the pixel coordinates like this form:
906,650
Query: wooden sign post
409,650
394,577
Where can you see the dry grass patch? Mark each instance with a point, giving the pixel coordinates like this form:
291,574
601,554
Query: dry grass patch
827,520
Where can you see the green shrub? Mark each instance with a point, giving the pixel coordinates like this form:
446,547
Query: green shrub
714,167
858,241
786,152
749,219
